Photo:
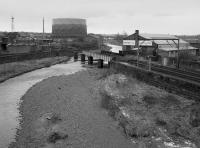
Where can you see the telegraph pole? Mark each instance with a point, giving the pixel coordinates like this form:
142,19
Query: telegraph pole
43,26
178,46
12,24
137,44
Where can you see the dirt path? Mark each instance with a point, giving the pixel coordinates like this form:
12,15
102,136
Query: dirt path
76,101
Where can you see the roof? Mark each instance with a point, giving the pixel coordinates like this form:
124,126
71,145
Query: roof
147,36
158,36
166,42
172,48
169,45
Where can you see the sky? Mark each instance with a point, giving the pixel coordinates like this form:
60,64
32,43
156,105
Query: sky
177,17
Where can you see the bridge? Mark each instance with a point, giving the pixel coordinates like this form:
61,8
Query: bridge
181,81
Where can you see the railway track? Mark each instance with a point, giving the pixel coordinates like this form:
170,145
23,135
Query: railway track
193,73
180,89
188,76
172,88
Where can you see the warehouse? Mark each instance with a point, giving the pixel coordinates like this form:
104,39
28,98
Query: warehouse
165,46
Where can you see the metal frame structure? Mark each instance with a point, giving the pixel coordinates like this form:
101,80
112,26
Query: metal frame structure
137,39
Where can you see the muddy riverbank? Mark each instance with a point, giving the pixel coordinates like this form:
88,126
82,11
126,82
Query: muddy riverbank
13,89
10,70
65,111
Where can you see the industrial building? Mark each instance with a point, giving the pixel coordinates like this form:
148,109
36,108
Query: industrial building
165,46
69,28
194,43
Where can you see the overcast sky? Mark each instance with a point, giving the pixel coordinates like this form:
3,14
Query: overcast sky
105,16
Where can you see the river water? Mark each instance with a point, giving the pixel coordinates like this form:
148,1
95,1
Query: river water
115,48
13,89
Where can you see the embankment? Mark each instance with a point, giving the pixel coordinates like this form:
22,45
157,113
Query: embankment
10,70
170,83
151,116
65,112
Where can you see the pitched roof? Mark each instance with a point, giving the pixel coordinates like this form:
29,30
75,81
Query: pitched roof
157,36
147,36
174,48
165,42
169,45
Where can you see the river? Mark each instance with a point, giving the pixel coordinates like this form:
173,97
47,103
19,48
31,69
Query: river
115,48
13,89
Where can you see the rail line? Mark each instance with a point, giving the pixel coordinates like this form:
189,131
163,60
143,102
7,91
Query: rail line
171,86
192,77
196,74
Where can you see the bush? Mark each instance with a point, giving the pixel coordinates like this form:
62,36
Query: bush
108,103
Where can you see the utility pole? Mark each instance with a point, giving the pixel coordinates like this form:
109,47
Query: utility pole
137,45
43,26
178,46
12,24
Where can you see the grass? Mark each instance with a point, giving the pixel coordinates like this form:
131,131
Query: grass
152,112
107,102
106,73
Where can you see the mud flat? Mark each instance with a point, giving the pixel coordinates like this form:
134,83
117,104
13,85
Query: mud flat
66,111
